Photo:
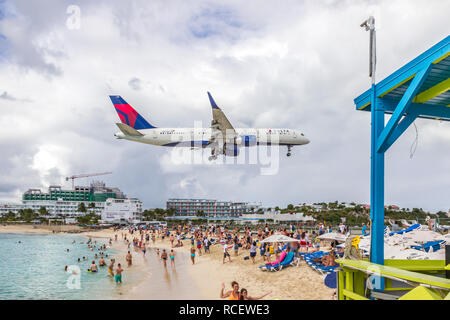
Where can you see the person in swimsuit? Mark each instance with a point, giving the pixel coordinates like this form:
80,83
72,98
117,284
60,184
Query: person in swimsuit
144,249
172,257
193,254
118,276
164,256
101,262
244,295
129,259
93,267
111,267
233,294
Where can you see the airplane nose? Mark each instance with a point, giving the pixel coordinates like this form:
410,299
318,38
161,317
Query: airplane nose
306,140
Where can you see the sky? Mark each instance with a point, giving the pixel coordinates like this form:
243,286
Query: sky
289,64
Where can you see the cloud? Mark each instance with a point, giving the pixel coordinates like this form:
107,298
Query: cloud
295,65
135,83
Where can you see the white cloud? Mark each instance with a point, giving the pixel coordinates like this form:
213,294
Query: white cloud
291,64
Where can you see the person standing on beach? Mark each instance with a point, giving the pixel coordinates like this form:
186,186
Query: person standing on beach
118,276
233,294
144,249
193,254
172,258
226,254
129,259
164,257
253,251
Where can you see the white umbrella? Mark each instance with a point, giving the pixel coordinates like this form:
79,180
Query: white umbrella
333,236
279,238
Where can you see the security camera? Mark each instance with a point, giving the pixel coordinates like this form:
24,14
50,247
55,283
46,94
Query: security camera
368,24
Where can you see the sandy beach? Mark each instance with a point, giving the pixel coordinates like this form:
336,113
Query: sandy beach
202,280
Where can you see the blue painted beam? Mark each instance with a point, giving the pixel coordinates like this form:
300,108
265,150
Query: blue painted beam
401,127
402,107
431,111
377,189
435,52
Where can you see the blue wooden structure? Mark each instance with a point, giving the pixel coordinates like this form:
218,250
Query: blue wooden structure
420,89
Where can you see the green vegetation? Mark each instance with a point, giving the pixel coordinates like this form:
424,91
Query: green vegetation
355,214
90,218
157,214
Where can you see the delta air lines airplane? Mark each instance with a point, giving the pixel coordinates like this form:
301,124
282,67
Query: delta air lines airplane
221,137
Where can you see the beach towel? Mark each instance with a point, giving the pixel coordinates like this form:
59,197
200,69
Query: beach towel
280,258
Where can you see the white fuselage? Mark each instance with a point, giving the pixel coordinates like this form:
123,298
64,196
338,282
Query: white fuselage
188,137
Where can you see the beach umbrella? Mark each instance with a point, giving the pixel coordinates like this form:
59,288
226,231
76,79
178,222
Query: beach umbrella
279,238
333,236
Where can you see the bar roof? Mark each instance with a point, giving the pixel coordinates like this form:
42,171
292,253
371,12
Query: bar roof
433,97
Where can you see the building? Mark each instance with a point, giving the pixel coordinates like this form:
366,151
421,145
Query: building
96,192
277,216
209,208
65,203
122,211
54,207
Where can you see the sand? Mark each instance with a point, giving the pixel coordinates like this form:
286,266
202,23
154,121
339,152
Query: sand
206,275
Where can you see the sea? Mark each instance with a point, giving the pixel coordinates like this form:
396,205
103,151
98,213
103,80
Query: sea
32,267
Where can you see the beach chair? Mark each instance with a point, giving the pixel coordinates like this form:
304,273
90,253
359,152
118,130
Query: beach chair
433,245
275,264
411,228
287,261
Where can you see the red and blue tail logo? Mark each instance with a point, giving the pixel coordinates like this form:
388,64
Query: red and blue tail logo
128,115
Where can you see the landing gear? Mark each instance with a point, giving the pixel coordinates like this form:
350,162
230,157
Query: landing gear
289,147
213,155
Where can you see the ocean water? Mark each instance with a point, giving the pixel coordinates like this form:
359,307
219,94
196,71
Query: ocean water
34,268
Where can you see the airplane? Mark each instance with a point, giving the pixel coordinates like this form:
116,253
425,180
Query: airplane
221,137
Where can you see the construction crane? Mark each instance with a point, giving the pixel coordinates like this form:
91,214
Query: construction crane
85,176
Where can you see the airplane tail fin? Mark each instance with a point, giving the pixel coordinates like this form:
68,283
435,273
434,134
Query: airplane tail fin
128,115
211,100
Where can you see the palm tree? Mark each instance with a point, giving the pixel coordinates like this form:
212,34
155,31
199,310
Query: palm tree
81,208
43,211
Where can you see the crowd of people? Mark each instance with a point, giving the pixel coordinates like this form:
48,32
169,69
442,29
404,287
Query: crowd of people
236,242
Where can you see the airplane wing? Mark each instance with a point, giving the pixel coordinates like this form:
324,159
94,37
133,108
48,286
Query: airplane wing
220,124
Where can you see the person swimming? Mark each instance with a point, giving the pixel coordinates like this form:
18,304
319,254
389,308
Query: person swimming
101,262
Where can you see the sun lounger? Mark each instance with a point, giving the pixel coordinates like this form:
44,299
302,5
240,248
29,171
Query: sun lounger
411,228
435,245
275,264
287,261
